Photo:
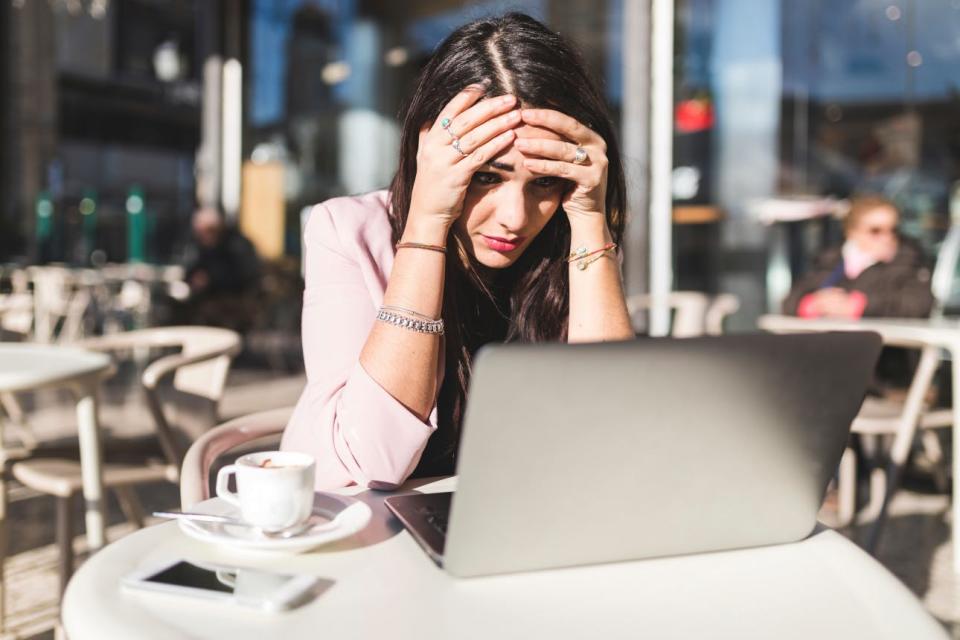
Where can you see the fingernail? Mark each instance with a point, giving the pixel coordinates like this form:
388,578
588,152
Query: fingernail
507,99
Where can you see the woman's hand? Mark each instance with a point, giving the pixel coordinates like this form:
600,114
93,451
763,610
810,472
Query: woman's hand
481,129
587,200
834,302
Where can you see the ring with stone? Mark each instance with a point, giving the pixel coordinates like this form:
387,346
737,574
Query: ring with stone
456,145
580,156
445,123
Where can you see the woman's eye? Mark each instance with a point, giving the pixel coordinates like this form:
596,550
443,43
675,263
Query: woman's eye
547,182
485,177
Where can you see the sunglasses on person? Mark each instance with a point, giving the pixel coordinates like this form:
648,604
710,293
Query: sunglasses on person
881,231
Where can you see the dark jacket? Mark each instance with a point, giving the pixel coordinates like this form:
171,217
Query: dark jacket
232,266
896,289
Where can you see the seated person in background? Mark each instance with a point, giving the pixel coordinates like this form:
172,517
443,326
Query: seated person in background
219,259
876,273
222,270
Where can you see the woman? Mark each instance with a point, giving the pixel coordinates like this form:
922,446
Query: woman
501,224
875,273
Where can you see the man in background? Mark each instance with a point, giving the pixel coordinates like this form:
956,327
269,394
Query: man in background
223,272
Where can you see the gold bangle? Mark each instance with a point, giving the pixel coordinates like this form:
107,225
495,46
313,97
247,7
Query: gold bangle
417,245
581,252
596,255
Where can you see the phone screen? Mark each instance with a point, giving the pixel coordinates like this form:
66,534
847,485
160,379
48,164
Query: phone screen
240,585
184,574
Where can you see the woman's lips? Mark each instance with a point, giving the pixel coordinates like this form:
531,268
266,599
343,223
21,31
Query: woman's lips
503,245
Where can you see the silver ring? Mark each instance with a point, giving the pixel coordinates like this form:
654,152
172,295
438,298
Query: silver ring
580,156
456,145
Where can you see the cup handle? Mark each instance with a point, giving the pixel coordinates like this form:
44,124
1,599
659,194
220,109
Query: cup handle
228,578
223,492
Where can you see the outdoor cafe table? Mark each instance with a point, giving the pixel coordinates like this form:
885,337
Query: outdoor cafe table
30,367
384,586
917,333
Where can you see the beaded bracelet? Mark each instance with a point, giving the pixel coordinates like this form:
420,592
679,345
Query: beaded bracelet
403,321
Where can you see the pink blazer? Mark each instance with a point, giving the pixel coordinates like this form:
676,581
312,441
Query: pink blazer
358,433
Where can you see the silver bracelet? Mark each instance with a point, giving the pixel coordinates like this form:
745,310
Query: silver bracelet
409,312
405,322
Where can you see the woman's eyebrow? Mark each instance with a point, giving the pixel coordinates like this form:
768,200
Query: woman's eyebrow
503,166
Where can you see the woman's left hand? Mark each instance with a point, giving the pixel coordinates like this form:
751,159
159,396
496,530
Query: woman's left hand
587,199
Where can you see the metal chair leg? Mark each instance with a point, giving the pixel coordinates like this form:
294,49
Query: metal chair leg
903,438
130,505
847,488
894,471
931,446
3,547
65,540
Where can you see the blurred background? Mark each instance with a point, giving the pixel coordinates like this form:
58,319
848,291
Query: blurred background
121,117
158,159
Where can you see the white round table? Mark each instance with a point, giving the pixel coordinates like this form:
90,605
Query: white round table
382,585
29,367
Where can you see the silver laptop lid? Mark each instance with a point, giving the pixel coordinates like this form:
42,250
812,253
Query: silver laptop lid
581,454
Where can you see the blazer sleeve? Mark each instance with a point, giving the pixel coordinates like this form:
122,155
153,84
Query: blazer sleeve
357,431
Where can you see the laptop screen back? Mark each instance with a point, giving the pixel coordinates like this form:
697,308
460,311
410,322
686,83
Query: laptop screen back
580,454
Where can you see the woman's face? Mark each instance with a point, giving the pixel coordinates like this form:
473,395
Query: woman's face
506,206
875,233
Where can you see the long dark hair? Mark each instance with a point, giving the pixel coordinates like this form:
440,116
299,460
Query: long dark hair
529,301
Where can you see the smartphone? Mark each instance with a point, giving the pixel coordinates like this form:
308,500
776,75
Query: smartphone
253,588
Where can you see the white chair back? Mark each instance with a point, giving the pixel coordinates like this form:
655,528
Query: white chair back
694,313
941,282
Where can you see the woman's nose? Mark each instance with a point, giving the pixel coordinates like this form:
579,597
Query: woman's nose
512,209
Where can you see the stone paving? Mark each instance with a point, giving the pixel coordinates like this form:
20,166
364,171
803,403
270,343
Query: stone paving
915,547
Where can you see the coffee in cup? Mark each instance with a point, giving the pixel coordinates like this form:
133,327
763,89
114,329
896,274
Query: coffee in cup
274,488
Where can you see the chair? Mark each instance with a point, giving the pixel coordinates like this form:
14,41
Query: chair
16,307
901,419
723,305
255,428
694,313
61,299
180,413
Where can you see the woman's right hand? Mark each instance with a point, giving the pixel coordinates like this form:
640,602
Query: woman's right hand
484,128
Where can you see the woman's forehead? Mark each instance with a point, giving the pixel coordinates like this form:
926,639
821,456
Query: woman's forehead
532,131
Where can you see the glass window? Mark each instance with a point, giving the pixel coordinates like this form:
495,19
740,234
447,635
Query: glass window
807,100
326,81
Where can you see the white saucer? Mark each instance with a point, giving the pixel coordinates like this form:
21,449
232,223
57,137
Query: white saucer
335,517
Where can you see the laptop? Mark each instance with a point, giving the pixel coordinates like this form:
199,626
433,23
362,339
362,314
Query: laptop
590,453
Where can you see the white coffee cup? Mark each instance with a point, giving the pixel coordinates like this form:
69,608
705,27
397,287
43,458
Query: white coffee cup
274,488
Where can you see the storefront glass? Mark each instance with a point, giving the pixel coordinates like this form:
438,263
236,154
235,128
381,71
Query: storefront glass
811,100
327,78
